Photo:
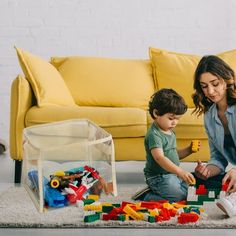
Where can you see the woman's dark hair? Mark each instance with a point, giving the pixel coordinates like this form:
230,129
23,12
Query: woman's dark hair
221,70
167,101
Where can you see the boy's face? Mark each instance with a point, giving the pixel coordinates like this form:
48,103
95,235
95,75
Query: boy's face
167,121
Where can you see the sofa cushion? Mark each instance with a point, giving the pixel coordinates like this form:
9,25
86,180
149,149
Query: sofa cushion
190,126
176,70
120,122
47,83
230,58
106,81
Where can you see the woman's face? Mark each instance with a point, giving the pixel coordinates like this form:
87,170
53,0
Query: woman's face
213,87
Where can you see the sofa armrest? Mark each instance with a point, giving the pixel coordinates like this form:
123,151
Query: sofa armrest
22,99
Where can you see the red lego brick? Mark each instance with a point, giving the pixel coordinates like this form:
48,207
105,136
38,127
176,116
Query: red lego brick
201,190
109,217
165,214
151,205
224,186
123,204
187,218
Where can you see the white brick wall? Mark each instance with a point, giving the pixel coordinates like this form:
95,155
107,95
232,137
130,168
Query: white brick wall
110,28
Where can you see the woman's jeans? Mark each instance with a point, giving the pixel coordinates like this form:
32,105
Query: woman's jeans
166,187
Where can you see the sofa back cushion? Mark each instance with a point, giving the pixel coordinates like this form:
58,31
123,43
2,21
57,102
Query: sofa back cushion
48,85
230,58
107,82
176,70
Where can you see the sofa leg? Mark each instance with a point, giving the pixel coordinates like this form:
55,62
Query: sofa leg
2,149
18,167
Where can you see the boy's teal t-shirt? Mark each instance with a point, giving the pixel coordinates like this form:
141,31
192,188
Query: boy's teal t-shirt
155,138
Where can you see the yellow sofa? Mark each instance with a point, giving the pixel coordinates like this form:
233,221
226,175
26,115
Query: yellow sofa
113,93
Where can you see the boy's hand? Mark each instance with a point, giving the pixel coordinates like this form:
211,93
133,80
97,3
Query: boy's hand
202,171
187,177
195,145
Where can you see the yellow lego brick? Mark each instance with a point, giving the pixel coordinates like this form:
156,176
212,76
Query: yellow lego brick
195,144
142,215
59,173
167,205
201,209
154,212
132,213
93,197
106,204
193,182
138,205
93,207
177,205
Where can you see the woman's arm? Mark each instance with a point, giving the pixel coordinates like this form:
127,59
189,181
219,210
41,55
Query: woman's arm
217,163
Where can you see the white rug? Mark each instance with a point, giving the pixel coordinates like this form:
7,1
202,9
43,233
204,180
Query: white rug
17,210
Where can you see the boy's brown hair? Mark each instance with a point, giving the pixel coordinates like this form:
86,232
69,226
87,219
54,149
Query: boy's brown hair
167,101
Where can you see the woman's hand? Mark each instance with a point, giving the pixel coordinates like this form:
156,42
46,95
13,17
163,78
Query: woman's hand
201,171
230,177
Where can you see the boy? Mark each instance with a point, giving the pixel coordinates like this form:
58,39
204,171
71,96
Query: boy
165,179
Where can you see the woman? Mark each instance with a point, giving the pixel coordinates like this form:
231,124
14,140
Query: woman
215,96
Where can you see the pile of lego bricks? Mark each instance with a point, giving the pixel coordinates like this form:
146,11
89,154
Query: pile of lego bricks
199,195
66,187
156,211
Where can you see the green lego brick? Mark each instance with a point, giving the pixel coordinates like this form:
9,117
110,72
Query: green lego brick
92,218
199,202
151,219
121,217
143,210
116,204
186,209
107,209
205,198
88,201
